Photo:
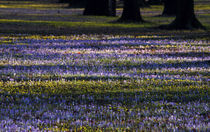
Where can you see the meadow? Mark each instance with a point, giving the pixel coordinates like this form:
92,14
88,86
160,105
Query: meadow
61,71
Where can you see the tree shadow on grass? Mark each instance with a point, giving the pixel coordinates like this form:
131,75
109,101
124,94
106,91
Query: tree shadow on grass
122,98
87,72
49,29
191,64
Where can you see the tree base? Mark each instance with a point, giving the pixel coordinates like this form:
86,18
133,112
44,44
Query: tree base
168,14
100,8
183,25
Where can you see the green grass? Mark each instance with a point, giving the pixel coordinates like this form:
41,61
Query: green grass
31,5
206,15
91,27
180,91
153,8
90,24
202,7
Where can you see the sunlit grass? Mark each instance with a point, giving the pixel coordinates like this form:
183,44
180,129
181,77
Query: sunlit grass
152,8
151,22
31,5
94,87
202,7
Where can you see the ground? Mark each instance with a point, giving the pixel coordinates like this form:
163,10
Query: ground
62,71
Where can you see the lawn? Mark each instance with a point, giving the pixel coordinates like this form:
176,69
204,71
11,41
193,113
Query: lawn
61,71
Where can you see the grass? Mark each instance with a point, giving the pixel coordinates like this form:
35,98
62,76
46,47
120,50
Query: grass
181,91
65,27
59,24
202,7
31,5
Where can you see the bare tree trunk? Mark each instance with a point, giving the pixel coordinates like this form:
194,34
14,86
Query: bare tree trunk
131,12
112,8
63,1
100,7
143,3
170,7
77,3
185,17
154,2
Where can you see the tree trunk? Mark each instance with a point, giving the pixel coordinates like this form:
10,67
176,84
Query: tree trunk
63,1
100,7
77,3
154,2
170,7
143,3
112,8
185,17
131,12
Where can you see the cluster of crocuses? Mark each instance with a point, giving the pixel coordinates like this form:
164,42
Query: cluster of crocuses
128,57
107,58
39,114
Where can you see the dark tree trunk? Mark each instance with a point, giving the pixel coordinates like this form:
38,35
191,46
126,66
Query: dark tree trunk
143,3
170,7
154,2
77,3
63,1
131,12
185,17
100,7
